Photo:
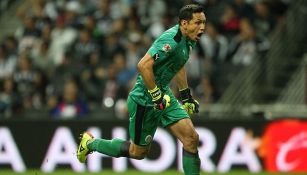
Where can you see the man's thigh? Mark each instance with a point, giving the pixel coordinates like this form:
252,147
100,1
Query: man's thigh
143,123
173,113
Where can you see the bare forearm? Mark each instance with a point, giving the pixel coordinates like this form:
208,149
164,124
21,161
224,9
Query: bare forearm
181,79
145,67
148,78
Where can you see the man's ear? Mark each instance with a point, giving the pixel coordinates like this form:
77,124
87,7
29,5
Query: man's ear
184,22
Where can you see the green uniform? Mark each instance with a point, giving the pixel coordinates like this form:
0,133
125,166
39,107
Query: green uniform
170,51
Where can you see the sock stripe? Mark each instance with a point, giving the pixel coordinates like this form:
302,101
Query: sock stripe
189,154
124,149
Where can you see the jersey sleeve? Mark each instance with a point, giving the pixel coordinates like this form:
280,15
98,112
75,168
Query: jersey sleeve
162,47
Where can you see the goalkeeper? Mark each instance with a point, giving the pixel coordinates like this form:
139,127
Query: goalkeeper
151,102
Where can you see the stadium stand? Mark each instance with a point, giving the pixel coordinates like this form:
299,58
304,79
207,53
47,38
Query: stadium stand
96,44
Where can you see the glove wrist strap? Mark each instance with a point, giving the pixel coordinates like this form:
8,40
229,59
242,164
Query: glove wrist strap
155,93
185,94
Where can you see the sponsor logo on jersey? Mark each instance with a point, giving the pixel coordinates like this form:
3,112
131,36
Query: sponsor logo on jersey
166,48
156,56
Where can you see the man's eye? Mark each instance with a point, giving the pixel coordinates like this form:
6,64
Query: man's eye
200,22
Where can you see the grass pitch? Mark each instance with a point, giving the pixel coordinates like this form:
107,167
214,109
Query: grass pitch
132,172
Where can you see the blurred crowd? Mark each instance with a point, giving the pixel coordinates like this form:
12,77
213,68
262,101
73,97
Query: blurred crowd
71,57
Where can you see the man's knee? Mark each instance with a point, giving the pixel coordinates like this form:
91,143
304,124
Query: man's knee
190,143
194,139
138,152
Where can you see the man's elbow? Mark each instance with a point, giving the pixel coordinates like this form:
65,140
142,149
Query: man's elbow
145,63
140,66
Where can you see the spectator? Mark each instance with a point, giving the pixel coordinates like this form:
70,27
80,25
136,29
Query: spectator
50,9
194,69
150,15
243,9
103,18
39,93
134,50
46,33
89,24
111,88
62,37
7,64
215,10
41,19
110,47
263,20
156,28
214,45
93,78
66,70
119,9
27,34
29,28
86,7
243,47
70,104
83,47
41,57
278,8
124,75
230,21
72,14
10,44
25,77
10,100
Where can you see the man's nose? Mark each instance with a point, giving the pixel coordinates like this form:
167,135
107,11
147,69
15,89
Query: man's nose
202,28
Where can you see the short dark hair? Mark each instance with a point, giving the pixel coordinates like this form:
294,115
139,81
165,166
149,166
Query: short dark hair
186,12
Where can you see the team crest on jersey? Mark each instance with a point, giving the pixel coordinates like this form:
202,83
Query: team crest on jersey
148,138
166,48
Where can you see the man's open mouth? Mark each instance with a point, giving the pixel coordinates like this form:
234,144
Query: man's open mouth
198,36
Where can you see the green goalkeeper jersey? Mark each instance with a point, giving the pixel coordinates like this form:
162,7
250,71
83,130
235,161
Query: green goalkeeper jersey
170,52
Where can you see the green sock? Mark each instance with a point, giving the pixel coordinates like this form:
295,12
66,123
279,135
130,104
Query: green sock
191,163
113,148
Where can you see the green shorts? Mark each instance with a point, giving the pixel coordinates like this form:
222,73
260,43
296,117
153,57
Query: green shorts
144,121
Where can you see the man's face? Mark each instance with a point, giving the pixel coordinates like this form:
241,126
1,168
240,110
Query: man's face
195,27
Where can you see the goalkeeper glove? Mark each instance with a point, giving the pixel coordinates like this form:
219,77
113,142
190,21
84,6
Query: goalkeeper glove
188,103
160,100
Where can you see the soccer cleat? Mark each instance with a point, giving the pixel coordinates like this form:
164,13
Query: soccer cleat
83,150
